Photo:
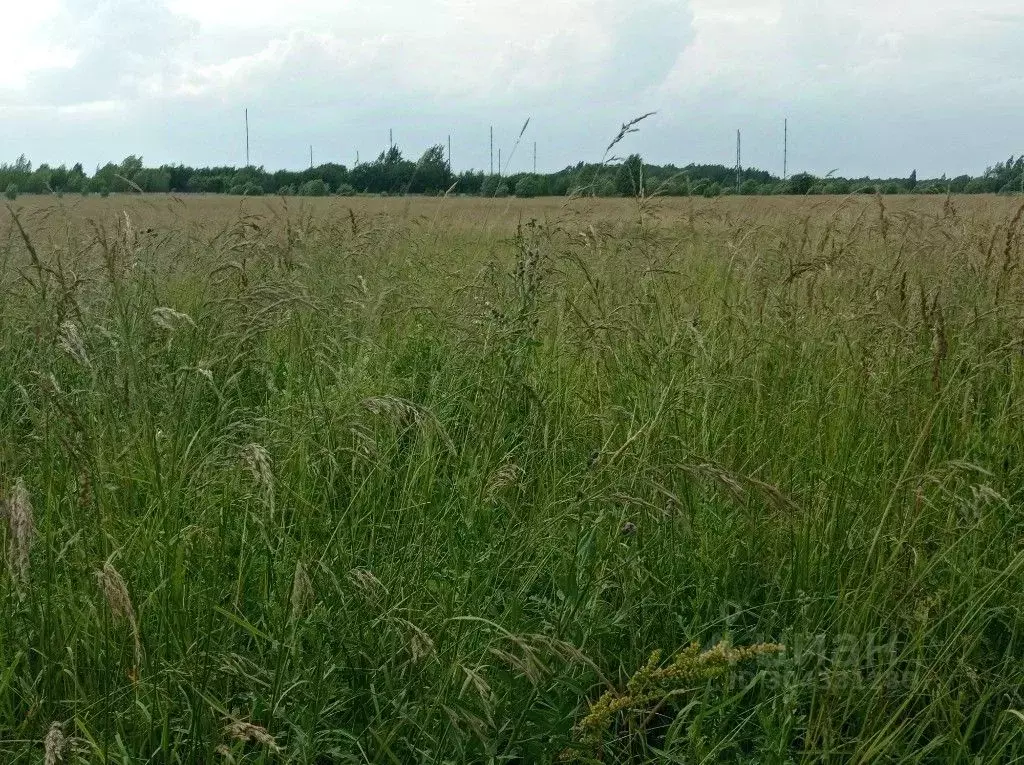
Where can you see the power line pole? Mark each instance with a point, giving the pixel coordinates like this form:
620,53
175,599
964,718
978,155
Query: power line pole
492,149
391,139
449,152
739,166
357,157
311,156
247,164
785,149
534,157
499,161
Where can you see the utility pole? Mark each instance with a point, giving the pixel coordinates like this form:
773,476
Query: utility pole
357,157
311,156
739,166
785,149
534,157
492,149
247,138
499,161
449,152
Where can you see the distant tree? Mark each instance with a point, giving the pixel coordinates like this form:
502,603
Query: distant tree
11,192
630,178
432,172
979,186
749,187
527,186
912,181
314,188
801,183
489,185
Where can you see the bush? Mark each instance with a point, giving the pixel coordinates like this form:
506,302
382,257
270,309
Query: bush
104,192
12,192
286,191
489,186
502,190
528,186
237,190
253,190
314,188
345,190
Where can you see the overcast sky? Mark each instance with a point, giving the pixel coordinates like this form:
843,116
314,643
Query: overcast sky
869,87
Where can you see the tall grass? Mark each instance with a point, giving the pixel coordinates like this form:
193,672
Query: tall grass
383,489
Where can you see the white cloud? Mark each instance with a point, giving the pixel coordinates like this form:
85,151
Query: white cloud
869,86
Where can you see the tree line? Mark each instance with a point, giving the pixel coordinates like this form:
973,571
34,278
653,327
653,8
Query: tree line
392,173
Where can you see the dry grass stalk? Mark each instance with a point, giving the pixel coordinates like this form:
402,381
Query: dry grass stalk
368,584
20,531
405,413
54,744
940,345
508,474
69,339
120,603
257,460
238,730
420,645
302,590
170,319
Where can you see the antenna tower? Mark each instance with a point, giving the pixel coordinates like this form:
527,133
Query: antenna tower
739,165
785,149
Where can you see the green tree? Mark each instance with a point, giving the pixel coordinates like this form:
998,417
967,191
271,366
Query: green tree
527,186
11,192
314,188
630,178
801,183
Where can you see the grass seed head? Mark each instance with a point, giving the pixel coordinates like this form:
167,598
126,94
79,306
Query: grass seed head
54,744
238,730
21,529
69,339
120,603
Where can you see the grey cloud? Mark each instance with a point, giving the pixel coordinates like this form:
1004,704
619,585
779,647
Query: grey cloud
122,46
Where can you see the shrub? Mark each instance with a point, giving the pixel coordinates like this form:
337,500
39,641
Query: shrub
104,192
345,190
12,192
286,191
528,186
314,188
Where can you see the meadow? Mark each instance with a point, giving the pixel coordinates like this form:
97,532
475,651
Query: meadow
464,480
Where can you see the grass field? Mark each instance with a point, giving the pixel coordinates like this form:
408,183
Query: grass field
430,480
